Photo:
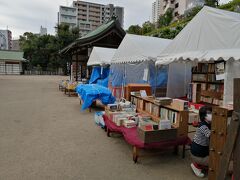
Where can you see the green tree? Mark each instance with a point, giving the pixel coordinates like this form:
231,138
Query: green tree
43,51
192,12
135,29
233,5
147,27
66,35
212,3
28,44
165,19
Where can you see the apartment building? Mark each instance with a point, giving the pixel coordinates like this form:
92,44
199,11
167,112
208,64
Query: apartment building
15,45
43,31
5,39
88,16
67,15
91,15
159,7
110,10
157,10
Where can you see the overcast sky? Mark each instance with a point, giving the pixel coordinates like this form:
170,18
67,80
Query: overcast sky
27,16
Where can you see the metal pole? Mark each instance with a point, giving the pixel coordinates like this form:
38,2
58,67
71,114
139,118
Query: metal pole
76,67
156,75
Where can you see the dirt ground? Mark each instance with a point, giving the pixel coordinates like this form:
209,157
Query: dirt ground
44,135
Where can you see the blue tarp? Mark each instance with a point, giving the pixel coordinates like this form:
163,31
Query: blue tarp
158,76
116,74
96,75
103,82
91,92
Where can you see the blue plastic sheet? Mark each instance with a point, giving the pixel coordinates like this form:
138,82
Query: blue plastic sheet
158,76
96,74
116,74
103,82
91,92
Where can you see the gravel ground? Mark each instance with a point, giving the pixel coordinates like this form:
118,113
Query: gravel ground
44,135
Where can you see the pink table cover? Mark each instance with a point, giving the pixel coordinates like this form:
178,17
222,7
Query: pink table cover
131,136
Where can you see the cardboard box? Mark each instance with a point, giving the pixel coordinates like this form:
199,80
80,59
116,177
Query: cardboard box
157,135
179,105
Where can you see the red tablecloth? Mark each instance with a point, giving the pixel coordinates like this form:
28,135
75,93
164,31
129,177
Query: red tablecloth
131,136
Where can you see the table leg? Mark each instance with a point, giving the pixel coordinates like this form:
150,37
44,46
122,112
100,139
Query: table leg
183,151
135,154
65,90
108,132
69,93
176,149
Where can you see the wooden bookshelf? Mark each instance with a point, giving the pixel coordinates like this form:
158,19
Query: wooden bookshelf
180,118
137,87
217,95
220,121
154,118
211,90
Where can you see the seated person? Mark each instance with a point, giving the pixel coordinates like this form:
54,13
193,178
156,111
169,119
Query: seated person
200,144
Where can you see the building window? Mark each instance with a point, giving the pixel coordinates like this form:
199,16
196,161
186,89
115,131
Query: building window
176,5
176,14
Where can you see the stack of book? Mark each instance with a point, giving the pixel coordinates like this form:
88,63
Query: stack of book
140,104
166,114
211,68
211,78
164,124
216,87
155,110
134,100
207,99
199,77
163,101
148,125
129,123
194,92
217,102
148,107
203,86
201,67
136,93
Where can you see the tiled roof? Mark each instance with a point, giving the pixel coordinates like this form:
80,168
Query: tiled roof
11,55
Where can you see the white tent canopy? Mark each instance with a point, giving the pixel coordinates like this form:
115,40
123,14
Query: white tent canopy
138,52
212,34
101,56
135,48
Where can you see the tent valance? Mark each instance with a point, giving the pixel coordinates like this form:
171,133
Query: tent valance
135,48
213,34
201,56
